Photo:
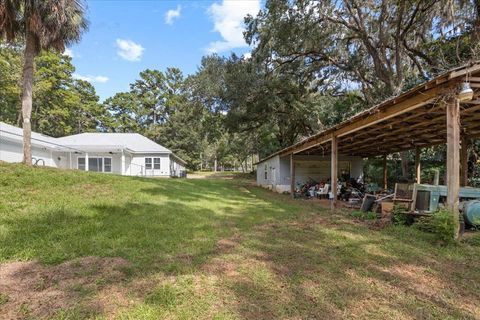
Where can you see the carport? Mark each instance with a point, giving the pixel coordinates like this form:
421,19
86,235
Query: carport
441,111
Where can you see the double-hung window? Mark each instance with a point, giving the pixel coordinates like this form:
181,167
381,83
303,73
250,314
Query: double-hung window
148,163
152,163
156,163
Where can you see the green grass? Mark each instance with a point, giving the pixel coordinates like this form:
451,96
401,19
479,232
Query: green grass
219,249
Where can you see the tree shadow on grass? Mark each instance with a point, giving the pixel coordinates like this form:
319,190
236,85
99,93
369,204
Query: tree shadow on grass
271,257
323,271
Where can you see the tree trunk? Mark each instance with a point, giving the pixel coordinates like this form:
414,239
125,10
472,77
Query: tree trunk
215,164
27,97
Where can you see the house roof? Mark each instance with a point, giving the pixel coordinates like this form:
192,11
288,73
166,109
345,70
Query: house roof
13,133
134,142
415,118
84,142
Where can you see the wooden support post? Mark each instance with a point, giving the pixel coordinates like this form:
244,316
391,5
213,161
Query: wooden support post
464,162
385,173
418,171
292,176
334,171
453,160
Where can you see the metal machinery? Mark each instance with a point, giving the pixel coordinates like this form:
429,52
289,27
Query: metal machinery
426,198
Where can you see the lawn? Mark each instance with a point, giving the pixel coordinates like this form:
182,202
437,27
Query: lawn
77,245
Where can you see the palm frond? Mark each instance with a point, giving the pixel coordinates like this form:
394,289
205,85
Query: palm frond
54,23
10,26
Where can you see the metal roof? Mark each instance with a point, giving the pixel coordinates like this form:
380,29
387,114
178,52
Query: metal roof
450,77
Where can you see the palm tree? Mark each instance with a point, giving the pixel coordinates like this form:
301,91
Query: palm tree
41,25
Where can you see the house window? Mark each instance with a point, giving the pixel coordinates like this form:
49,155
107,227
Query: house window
148,163
97,164
152,163
107,164
81,164
266,173
156,163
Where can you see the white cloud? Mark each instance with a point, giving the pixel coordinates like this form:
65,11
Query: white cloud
129,50
68,52
247,55
91,79
172,15
228,21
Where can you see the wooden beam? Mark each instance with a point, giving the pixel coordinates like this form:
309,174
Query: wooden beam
418,173
292,175
464,71
453,160
310,144
464,162
411,131
334,171
385,173
473,79
380,115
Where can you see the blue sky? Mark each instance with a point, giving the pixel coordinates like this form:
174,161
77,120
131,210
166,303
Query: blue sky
128,36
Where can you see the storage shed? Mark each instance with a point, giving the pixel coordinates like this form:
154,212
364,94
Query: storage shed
444,110
274,173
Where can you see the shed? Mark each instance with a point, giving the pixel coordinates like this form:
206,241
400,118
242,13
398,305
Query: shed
433,113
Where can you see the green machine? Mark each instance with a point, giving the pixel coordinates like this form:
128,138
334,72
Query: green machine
471,212
426,197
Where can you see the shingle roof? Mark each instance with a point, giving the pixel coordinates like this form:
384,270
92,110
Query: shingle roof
10,132
133,141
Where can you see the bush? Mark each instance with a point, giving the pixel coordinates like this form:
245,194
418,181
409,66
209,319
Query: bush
399,216
364,215
440,224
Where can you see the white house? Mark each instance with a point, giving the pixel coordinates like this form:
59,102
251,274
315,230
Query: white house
121,153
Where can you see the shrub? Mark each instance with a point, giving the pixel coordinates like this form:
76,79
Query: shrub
364,215
399,216
371,215
357,214
439,223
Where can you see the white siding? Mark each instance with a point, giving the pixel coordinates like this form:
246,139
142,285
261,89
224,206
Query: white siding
314,167
13,152
137,165
61,160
